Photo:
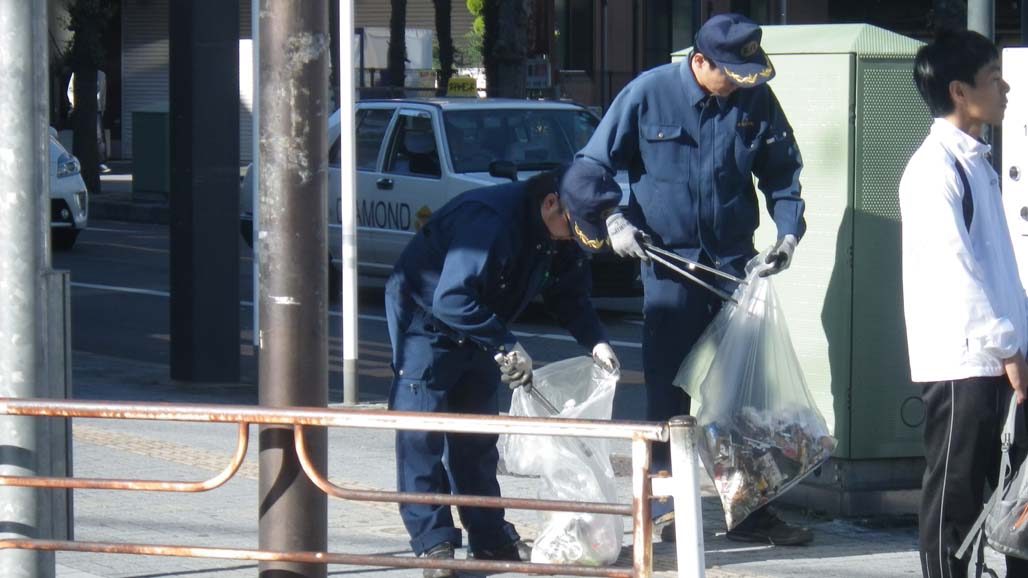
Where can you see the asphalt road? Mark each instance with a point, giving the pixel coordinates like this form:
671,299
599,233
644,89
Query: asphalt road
120,300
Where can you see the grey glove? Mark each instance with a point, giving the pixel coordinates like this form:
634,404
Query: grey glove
515,367
624,237
780,256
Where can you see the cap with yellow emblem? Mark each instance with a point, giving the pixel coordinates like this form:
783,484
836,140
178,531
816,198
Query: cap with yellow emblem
588,194
732,41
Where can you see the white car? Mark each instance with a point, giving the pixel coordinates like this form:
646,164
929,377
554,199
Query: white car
414,155
69,198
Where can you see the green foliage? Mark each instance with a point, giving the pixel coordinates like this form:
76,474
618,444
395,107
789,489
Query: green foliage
476,7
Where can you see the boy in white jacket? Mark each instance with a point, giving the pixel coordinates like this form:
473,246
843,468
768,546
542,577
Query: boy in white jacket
966,311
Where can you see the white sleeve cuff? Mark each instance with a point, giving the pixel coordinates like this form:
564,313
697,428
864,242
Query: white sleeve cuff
997,338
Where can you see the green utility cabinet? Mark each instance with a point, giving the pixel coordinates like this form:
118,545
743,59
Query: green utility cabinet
151,152
849,94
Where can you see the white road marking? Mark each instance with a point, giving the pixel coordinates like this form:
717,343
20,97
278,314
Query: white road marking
106,230
117,289
335,313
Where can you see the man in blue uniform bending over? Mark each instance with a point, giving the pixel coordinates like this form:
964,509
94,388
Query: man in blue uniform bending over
692,136
453,294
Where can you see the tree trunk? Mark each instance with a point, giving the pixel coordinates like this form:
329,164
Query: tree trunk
84,122
444,33
397,44
506,47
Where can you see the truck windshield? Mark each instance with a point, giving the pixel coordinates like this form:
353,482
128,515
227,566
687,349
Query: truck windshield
532,139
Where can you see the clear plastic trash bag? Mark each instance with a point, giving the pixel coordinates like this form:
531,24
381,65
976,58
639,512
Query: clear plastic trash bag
762,431
571,468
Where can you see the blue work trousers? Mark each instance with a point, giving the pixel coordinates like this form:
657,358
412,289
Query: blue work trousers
439,375
676,311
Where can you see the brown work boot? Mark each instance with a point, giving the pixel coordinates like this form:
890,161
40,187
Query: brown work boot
516,551
765,527
441,551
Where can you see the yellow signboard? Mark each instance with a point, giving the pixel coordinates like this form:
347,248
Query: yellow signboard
462,86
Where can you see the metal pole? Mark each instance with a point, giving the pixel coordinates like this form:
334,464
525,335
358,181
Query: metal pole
688,512
24,258
981,17
203,79
604,73
255,173
351,387
781,15
293,364
642,526
1024,22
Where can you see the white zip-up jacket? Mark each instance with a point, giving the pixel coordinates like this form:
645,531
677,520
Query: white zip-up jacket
963,301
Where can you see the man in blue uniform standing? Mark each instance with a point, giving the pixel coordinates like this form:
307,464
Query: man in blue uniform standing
460,283
692,136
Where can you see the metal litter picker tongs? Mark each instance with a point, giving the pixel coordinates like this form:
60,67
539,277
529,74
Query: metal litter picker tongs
676,263
549,407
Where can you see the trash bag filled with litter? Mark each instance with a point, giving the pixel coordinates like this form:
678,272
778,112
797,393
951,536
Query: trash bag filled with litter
762,430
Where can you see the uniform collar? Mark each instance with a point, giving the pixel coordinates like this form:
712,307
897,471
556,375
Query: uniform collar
694,93
958,141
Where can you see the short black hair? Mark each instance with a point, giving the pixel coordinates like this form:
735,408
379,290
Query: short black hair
544,183
952,55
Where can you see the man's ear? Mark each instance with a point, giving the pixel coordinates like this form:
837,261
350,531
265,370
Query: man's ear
956,91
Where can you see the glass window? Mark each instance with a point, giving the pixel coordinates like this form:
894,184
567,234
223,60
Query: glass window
531,139
371,128
413,150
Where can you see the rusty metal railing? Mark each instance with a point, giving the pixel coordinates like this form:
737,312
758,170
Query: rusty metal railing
680,431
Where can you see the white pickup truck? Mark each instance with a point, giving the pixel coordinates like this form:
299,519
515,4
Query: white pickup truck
415,155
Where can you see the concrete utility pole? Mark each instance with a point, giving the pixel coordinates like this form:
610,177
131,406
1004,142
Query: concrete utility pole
24,261
204,99
294,56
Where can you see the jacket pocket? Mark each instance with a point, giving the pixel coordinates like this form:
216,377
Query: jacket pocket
662,147
746,149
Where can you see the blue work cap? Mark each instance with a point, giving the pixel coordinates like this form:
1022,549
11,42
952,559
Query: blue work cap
732,41
589,195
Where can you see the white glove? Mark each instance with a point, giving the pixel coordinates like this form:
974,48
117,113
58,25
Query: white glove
624,237
515,367
780,256
603,356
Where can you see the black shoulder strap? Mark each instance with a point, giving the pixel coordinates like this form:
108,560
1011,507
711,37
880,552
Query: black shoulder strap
967,200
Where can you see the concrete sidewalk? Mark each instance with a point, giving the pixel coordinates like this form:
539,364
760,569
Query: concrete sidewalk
118,202
227,516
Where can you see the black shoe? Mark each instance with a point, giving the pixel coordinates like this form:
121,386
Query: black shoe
764,526
441,551
516,551
665,527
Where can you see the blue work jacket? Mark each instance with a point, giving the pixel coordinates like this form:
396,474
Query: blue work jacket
480,259
691,158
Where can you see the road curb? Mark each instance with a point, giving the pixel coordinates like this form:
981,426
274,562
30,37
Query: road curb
133,212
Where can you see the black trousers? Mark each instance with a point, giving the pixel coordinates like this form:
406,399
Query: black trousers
963,423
